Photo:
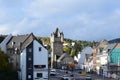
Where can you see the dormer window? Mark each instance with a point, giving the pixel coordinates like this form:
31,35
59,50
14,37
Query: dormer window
13,43
109,50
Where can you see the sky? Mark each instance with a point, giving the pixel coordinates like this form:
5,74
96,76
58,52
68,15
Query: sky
77,19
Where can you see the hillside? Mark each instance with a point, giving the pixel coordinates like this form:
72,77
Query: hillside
117,40
69,48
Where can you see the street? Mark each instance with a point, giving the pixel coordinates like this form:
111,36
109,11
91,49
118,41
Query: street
77,76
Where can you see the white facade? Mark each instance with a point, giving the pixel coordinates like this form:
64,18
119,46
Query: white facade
76,58
103,59
39,58
23,65
82,59
4,42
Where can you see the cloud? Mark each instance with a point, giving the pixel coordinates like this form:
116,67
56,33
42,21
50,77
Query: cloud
78,19
4,29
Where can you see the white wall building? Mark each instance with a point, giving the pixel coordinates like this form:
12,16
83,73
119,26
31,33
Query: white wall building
76,58
86,51
33,61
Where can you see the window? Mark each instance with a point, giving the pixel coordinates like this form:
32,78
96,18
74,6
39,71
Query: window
39,48
39,66
29,66
39,74
10,51
101,49
109,50
13,43
29,76
29,58
30,49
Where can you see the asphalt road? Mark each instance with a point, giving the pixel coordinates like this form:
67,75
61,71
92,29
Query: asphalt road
77,76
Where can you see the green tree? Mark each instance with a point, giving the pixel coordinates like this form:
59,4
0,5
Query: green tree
3,61
67,49
6,70
73,51
78,47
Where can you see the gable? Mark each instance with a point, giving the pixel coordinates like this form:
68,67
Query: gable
29,39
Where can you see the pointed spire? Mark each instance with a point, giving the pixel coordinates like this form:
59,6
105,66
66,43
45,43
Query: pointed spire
57,32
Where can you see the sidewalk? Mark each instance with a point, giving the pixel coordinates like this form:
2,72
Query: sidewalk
98,77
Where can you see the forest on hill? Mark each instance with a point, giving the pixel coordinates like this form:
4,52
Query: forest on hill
72,47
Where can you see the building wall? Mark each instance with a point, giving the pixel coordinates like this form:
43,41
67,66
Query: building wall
40,57
103,59
29,61
115,55
23,65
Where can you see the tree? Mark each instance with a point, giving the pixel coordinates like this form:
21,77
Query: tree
67,49
3,61
72,52
6,70
78,47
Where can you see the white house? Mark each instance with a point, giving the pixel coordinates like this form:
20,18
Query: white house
4,43
76,58
33,60
103,58
85,57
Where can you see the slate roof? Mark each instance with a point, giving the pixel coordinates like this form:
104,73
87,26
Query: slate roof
21,41
87,50
110,46
65,57
28,40
17,40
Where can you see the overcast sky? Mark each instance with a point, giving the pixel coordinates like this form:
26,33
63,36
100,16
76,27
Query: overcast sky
77,19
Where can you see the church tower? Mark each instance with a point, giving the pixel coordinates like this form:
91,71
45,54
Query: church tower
56,40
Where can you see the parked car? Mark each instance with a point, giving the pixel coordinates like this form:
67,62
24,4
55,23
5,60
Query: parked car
66,77
88,77
52,72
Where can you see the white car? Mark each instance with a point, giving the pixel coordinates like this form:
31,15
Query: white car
88,77
66,77
52,72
